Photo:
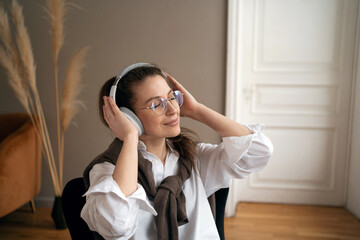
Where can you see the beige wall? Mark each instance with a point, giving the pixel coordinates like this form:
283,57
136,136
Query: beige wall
186,38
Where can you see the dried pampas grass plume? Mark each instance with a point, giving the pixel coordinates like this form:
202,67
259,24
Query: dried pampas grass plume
72,88
8,42
14,79
69,101
10,61
24,44
56,10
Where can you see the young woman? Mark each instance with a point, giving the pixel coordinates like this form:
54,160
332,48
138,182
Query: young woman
155,186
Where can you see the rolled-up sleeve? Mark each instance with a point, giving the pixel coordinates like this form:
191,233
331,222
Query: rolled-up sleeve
107,210
235,157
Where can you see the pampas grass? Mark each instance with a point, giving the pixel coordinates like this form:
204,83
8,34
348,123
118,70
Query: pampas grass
11,60
56,13
69,95
19,65
56,10
7,40
24,44
72,88
14,79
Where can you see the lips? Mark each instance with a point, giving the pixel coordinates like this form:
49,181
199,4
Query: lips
172,123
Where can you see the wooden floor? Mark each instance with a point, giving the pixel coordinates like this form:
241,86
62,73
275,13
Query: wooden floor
253,221
24,224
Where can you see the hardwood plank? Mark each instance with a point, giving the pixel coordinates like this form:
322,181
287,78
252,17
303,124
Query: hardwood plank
281,221
253,221
24,224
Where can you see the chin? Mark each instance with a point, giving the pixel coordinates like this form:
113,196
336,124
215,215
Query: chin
176,132
173,132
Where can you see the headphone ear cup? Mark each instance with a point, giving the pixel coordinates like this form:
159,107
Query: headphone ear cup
134,119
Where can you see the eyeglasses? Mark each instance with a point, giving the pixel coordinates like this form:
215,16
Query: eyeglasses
159,105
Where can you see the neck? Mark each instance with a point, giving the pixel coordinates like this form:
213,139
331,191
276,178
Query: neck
157,147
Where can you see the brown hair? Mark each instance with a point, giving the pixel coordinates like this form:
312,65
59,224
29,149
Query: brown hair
185,143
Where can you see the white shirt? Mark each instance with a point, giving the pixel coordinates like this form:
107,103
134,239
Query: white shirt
114,216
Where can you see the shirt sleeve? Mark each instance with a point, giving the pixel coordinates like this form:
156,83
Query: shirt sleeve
235,157
107,210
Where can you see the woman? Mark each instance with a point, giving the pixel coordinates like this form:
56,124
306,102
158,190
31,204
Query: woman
156,186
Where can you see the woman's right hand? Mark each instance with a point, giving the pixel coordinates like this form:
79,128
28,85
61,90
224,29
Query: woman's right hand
120,125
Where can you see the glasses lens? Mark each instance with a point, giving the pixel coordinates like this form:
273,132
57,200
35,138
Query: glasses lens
172,99
179,98
158,106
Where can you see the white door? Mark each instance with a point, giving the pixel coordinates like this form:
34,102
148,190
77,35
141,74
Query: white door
290,66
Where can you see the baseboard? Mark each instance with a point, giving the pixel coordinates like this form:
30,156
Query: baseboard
44,201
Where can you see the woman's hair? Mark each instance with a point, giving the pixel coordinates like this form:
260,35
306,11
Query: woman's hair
185,143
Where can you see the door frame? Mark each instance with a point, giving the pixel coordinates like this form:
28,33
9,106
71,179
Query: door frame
234,90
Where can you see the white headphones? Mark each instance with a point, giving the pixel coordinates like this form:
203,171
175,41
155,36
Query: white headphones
128,113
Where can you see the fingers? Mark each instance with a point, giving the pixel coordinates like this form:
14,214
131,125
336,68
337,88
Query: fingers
112,104
171,78
107,109
176,83
111,110
106,113
106,117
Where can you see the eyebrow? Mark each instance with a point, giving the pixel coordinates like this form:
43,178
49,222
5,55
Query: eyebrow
157,97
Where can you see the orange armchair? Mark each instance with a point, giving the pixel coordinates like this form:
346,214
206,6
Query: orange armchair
20,162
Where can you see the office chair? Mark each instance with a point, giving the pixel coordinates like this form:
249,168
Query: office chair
73,202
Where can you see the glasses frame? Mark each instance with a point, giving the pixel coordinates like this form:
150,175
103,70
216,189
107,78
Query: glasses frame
165,106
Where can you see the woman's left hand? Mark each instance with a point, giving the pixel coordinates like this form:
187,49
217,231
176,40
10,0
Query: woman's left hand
190,105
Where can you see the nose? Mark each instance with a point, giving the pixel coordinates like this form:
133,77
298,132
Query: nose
170,109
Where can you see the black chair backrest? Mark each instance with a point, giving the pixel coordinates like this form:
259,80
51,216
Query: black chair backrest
221,196
73,202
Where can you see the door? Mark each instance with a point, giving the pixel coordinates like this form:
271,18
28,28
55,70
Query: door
290,66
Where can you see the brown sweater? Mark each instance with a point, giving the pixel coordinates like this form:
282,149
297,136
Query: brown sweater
169,199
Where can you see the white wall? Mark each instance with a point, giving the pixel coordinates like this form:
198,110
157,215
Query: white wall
353,197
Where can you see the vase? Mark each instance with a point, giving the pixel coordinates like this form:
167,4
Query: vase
57,214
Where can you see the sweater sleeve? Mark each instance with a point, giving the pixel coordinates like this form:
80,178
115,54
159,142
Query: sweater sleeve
235,157
107,210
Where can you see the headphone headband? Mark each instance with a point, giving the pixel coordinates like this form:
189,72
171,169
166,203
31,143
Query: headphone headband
128,69
123,73
133,66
